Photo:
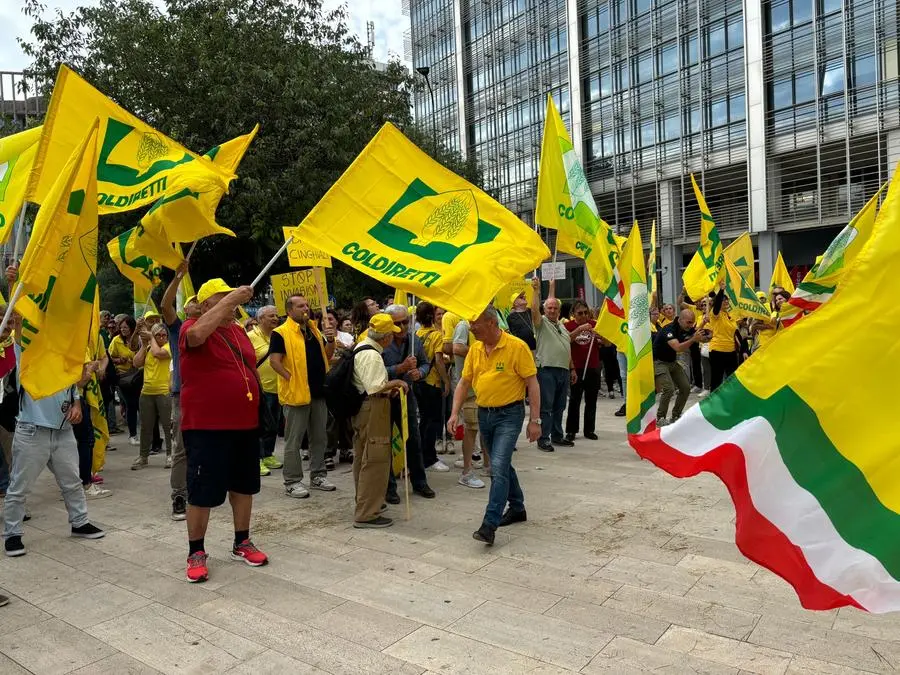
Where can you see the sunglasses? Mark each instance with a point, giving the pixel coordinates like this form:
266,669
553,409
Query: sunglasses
404,322
580,312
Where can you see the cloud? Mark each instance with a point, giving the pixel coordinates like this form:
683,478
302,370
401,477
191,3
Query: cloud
387,15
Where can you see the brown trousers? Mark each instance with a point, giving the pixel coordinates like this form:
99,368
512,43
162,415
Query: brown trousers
371,456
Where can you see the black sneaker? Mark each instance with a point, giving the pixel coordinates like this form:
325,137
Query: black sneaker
621,411
179,508
329,464
485,534
570,437
88,531
14,546
377,523
544,446
511,517
4,601
591,436
426,492
564,443
392,498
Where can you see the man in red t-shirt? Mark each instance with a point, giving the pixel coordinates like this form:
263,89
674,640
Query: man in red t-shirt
219,421
585,351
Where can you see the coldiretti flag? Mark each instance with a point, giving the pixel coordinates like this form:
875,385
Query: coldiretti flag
131,252
813,475
820,283
405,220
565,203
58,274
92,394
651,267
781,277
185,291
744,301
16,158
612,323
703,272
740,253
135,162
640,405
143,302
188,211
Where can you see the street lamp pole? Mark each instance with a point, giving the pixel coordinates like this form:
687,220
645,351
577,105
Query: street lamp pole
424,72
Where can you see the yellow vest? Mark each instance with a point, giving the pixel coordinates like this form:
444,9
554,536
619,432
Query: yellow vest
296,390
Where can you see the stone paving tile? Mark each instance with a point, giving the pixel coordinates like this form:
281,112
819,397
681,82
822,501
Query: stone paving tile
273,663
363,625
550,580
450,654
627,657
37,578
649,575
608,619
555,641
117,664
529,599
94,605
803,665
292,601
395,565
746,657
10,667
52,647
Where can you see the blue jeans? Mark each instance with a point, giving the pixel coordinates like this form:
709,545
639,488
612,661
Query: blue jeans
554,393
500,427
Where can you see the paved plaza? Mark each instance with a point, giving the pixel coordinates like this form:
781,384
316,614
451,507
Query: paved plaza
619,569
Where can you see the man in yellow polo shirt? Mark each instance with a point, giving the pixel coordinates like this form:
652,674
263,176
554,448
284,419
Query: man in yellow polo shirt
260,337
500,367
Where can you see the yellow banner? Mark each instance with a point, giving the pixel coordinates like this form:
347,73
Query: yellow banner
707,266
503,299
58,276
781,277
140,257
408,222
640,405
744,301
651,267
740,253
310,283
301,254
135,162
17,154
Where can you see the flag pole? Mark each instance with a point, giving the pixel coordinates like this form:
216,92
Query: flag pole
288,242
9,308
191,251
588,359
20,233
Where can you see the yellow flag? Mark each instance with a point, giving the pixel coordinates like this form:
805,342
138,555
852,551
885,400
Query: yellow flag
143,302
781,277
651,267
140,257
16,157
135,162
58,274
92,395
503,299
744,301
565,203
640,405
706,267
188,211
612,323
402,218
740,253
184,292
401,298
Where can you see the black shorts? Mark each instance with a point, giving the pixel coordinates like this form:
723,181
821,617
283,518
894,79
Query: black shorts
219,462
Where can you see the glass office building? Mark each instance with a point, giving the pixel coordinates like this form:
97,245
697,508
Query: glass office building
786,111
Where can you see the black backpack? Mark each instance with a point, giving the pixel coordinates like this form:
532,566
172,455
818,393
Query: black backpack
341,396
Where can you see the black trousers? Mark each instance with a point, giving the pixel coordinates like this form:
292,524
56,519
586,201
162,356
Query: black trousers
610,367
721,365
84,438
696,366
587,386
430,399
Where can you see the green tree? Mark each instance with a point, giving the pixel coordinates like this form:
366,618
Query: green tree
205,71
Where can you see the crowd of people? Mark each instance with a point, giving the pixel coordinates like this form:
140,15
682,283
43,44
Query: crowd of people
216,393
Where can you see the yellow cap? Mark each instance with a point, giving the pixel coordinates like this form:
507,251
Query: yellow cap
383,323
191,299
761,295
150,314
514,297
211,288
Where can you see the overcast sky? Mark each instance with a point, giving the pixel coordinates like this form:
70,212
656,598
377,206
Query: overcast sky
389,26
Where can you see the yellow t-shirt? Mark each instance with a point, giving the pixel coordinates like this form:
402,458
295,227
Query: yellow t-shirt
156,373
448,326
499,378
664,321
723,327
267,374
119,350
362,336
432,342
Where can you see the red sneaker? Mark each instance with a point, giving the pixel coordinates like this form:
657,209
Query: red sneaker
196,567
97,478
251,555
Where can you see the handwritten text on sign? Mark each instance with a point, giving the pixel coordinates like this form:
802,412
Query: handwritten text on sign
304,255
308,283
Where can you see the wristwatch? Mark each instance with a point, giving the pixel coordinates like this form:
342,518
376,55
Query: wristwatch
534,421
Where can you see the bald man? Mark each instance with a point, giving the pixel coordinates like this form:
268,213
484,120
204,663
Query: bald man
671,340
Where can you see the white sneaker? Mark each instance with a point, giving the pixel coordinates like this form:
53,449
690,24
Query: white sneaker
703,394
486,472
133,441
304,455
449,449
696,390
94,491
439,466
168,461
297,491
471,480
460,463
323,484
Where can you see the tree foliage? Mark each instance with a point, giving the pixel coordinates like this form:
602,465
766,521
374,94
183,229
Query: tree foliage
205,71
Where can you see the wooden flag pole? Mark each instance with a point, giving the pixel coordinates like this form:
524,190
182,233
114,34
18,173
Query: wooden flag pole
20,233
288,242
9,308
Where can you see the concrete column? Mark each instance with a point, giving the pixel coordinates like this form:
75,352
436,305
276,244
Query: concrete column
669,211
459,48
756,115
575,95
767,243
670,266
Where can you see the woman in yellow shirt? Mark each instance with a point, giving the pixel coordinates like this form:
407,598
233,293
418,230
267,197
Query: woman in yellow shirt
121,351
431,391
722,351
154,357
